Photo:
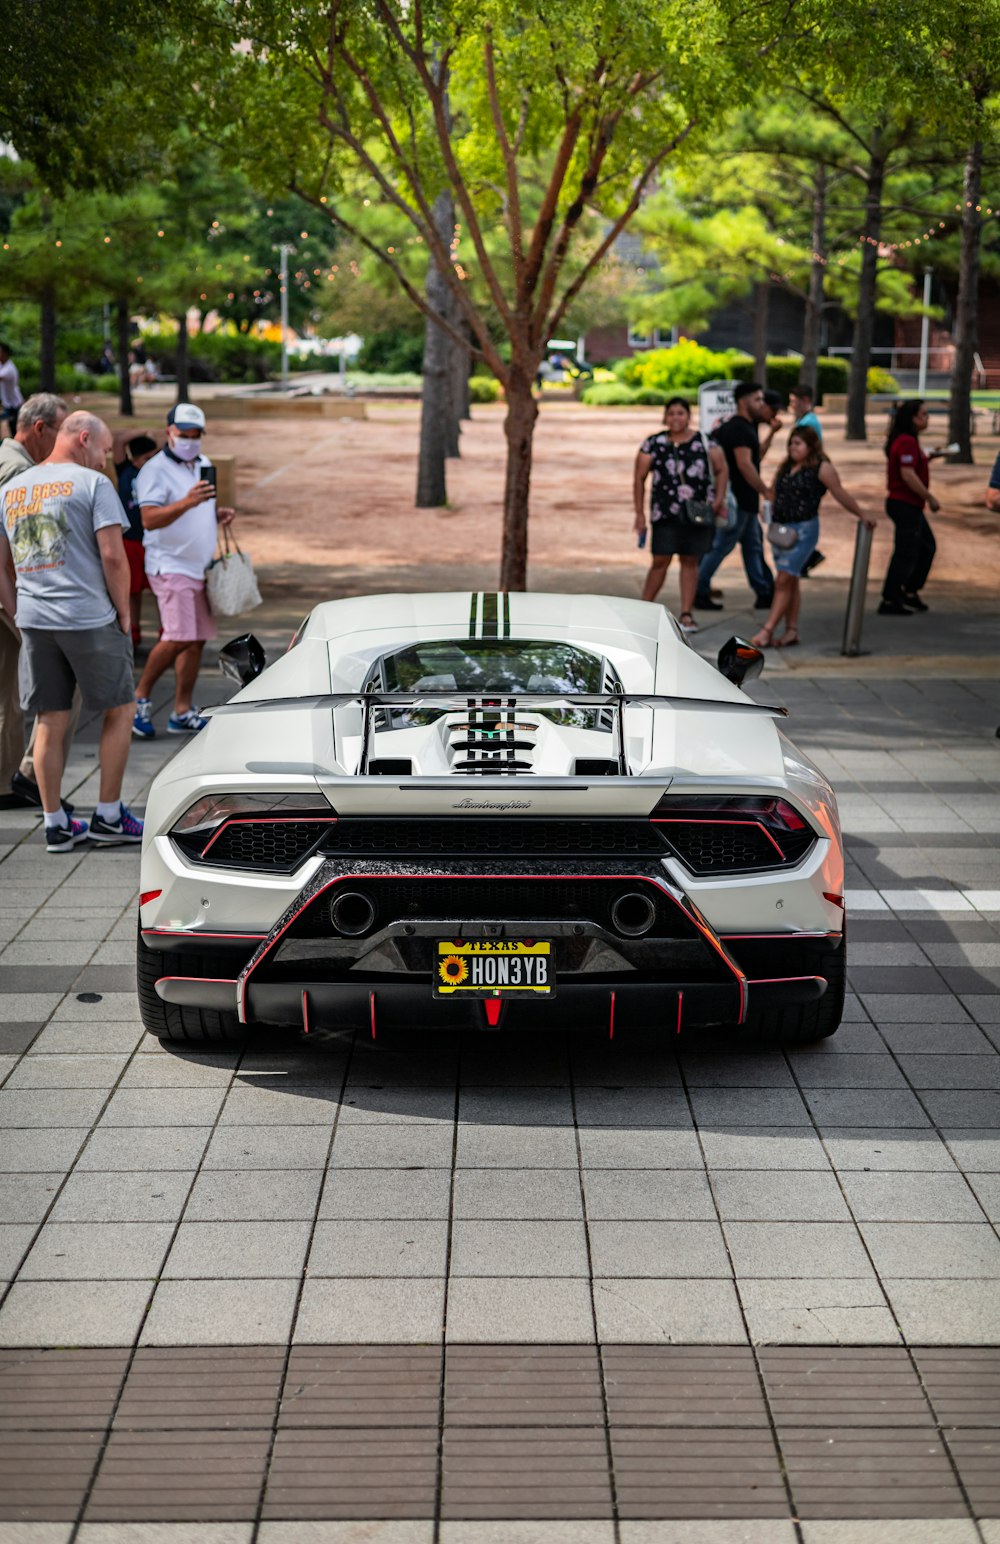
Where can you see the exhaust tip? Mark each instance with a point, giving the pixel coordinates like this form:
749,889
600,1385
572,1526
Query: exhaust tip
352,913
633,914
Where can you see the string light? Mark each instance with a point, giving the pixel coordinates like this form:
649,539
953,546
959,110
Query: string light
884,248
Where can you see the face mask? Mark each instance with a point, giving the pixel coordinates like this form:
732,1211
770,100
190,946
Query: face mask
186,450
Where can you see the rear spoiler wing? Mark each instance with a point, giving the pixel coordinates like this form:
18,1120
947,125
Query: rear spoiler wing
466,702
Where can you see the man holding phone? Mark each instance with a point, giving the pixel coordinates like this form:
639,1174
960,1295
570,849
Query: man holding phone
176,494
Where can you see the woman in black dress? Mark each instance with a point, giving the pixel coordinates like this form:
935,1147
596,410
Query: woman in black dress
687,469
804,478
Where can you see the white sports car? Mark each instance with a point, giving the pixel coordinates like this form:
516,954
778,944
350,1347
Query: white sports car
462,811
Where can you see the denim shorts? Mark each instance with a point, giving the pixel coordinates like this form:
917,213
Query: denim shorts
792,560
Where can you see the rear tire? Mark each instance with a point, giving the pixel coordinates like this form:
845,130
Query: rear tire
803,1023
168,1021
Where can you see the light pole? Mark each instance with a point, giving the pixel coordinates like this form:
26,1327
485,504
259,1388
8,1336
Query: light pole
284,249
925,332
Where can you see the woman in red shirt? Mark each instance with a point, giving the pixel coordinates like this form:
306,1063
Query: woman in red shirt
908,490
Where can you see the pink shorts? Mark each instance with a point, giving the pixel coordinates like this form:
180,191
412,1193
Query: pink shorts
184,613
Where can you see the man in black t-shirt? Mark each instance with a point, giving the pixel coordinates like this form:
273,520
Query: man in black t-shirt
738,439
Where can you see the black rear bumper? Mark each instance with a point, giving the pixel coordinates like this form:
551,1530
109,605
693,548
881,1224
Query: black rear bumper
307,974
594,1005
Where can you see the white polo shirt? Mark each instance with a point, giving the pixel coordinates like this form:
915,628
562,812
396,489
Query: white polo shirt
187,546
10,386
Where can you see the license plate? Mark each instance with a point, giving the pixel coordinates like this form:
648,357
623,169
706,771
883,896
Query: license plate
487,967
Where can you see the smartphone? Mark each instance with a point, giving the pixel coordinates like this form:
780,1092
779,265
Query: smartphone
209,475
642,537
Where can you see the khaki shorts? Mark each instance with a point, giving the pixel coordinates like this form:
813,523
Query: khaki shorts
97,659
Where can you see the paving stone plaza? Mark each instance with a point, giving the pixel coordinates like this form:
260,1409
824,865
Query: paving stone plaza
521,1292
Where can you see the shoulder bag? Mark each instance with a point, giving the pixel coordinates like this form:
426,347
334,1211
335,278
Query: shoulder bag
230,583
701,512
782,537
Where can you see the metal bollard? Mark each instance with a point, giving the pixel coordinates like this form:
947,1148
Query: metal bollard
856,593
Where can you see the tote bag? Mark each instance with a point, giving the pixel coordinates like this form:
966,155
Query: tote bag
230,583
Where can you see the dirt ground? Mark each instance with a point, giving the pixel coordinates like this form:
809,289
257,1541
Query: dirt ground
326,508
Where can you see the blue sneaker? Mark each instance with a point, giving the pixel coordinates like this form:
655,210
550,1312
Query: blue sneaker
109,833
142,724
186,723
65,838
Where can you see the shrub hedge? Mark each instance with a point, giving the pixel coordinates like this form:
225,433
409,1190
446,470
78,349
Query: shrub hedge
484,388
661,373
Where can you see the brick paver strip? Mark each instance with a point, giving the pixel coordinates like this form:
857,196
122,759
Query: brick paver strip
212,1388
977,1458
365,1386
59,1390
44,1475
365,1472
876,1472
963,1384
697,1472
843,1386
683,1386
554,1386
536,1472
176,1476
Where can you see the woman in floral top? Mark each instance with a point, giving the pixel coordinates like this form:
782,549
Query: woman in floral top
686,468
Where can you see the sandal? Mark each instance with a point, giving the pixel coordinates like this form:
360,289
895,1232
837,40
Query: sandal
689,625
762,640
788,640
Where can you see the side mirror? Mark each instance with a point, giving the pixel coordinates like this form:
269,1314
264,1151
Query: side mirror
242,659
739,661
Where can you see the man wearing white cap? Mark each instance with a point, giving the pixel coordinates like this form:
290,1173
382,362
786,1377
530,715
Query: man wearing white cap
180,521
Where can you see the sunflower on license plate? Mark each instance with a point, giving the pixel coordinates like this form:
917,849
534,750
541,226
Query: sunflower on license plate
494,967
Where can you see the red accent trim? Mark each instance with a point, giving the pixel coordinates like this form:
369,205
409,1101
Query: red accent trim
193,932
148,895
371,1011
680,1010
493,1007
265,820
611,1024
677,820
776,980
305,1013
692,915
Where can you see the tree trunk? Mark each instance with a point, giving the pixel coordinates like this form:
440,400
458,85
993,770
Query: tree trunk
47,341
123,330
966,328
519,428
814,299
461,369
864,327
761,303
183,359
437,431
453,428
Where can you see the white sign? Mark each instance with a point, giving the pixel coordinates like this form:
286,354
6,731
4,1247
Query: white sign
715,403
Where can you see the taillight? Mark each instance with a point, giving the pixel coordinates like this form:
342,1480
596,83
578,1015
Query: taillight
790,819
211,811
717,833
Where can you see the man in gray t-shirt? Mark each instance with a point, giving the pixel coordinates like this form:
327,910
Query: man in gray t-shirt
61,529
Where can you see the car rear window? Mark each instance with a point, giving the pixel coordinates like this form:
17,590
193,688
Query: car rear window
501,666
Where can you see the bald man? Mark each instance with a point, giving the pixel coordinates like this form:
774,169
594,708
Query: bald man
63,524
